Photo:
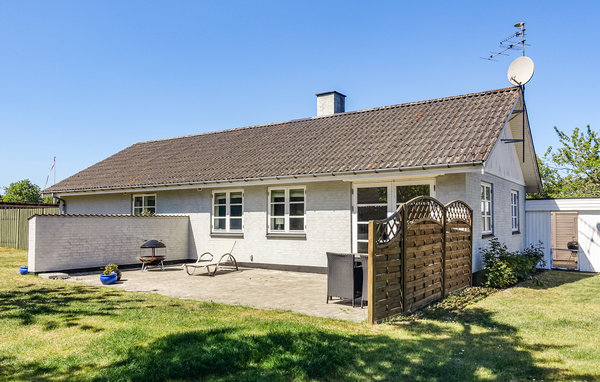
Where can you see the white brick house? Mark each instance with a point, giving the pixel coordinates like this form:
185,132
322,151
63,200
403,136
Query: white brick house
289,192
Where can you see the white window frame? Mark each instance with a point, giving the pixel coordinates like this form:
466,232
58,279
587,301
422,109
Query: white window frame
286,189
391,193
490,209
514,211
227,212
144,206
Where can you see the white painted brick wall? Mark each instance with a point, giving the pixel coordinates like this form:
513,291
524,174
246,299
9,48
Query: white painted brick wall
467,187
99,204
502,214
70,242
328,218
328,225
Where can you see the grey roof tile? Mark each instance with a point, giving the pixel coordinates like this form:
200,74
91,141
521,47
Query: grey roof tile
452,130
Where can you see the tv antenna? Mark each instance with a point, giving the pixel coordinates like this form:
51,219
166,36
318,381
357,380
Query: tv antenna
519,73
510,44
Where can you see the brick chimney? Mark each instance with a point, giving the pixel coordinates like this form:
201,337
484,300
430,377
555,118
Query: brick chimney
330,103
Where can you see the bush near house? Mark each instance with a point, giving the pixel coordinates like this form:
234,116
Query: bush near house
504,268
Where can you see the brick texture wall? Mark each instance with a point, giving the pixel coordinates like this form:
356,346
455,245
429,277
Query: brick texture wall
69,242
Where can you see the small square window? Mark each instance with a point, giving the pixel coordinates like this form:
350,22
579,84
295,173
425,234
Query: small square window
144,204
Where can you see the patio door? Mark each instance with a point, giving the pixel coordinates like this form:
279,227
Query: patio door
371,204
378,201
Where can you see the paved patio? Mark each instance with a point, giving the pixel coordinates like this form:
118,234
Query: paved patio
258,288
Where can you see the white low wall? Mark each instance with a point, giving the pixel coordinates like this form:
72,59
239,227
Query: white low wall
61,242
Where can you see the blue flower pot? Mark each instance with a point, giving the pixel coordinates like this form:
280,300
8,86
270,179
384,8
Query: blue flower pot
108,279
23,270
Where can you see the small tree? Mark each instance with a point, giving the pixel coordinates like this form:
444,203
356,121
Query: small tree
552,182
22,191
579,158
574,168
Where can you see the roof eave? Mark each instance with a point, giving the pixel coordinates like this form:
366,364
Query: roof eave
299,177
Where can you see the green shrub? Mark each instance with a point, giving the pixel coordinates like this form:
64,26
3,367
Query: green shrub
504,268
499,275
110,269
524,263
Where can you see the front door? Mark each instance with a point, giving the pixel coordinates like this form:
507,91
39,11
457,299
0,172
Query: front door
378,201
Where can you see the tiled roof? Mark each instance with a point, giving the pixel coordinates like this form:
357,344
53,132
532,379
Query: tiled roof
452,130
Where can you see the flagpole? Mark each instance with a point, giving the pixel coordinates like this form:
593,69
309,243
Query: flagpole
53,183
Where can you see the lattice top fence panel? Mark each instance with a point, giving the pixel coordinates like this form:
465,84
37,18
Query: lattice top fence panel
459,211
424,208
421,208
419,254
389,230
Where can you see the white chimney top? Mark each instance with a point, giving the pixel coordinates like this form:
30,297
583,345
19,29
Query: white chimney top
330,103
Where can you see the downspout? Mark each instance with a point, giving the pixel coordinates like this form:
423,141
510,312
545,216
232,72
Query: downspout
64,204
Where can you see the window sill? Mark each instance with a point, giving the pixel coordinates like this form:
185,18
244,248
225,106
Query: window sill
487,236
239,235
516,232
286,235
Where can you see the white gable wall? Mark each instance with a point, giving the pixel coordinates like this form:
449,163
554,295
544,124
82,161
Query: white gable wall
503,161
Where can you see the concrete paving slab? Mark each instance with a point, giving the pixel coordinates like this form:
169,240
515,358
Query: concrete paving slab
54,276
259,288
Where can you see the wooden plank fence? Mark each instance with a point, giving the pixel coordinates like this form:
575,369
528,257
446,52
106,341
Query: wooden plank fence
421,253
14,225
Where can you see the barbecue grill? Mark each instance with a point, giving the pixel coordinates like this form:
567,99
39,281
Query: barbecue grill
155,259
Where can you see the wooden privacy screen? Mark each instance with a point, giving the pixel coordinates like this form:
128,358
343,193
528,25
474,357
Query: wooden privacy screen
418,255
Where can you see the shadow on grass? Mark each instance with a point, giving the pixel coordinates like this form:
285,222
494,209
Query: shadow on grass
554,278
14,370
440,344
459,347
58,306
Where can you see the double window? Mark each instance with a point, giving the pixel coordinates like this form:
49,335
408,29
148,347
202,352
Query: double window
514,208
228,211
144,204
287,209
487,208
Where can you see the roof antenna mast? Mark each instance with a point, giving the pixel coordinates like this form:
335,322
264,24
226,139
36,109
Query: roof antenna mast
519,73
509,44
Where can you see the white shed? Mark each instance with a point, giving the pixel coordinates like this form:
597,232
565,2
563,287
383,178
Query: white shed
569,229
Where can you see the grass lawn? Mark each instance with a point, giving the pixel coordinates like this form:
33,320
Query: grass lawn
54,330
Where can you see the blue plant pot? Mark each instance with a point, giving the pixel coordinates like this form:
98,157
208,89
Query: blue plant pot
108,279
23,270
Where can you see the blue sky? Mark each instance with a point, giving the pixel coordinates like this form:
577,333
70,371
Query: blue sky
82,80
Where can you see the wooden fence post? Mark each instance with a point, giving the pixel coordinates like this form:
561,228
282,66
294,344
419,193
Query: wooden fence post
444,211
471,257
18,229
371,269
403,260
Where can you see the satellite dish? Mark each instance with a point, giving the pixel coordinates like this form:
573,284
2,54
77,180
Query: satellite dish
520,71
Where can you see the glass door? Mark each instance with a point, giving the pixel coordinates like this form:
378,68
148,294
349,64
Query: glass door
378,201
371,204
406,193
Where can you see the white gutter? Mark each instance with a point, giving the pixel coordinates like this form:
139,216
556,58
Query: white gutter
320,177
